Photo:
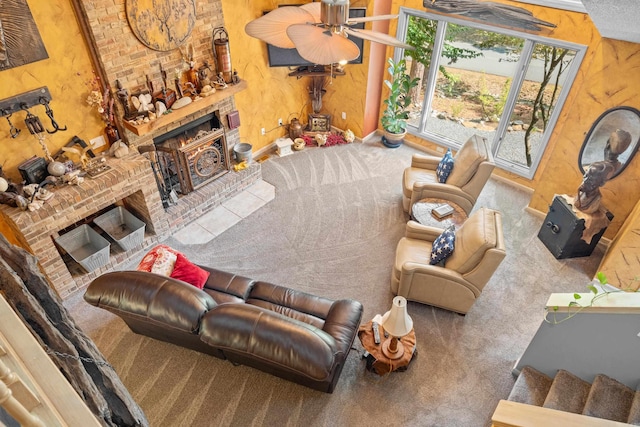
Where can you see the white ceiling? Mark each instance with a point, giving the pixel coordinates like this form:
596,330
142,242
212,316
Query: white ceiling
615,19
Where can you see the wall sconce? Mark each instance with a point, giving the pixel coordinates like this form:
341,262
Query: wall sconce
398,324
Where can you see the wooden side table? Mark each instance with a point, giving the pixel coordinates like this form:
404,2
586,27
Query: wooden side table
421,212
379,363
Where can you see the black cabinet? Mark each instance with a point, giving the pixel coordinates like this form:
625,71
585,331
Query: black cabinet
561,231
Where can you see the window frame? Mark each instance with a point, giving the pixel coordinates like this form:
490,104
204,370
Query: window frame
518,78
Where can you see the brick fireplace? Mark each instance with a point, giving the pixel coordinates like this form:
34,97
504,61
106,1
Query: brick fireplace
121,57
131,181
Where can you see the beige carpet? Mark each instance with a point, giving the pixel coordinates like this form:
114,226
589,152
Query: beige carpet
332,230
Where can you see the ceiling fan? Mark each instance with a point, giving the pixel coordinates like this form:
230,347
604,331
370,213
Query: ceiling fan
319,31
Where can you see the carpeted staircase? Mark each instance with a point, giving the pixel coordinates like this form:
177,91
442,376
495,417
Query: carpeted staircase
604,398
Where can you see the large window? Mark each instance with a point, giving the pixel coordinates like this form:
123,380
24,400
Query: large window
477,79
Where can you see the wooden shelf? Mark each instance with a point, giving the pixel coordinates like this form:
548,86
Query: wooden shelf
194,107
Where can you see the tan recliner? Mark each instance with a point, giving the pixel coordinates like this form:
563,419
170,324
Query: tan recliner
478,251
472,167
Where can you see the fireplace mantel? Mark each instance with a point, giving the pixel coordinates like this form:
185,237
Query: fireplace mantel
183,112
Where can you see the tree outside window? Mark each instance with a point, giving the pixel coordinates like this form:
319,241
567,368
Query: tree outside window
506,86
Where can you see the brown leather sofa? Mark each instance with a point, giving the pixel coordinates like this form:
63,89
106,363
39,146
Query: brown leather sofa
294,335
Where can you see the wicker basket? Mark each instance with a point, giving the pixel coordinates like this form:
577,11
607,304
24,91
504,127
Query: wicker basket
122,226
86,247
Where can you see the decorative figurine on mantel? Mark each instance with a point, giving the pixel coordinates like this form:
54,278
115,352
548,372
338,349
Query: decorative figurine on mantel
220,83
191,74
123,97
204,73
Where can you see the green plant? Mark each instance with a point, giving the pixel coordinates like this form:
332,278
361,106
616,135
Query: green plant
597,289
493,105
450,85
395,115
456,109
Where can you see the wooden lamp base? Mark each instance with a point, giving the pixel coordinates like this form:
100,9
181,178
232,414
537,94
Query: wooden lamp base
391,349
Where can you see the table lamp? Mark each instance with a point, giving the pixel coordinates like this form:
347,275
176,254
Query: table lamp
398,324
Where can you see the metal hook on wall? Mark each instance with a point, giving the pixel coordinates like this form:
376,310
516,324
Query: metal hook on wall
13,131
32,121
44,101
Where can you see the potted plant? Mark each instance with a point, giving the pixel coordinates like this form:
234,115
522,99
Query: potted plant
394,117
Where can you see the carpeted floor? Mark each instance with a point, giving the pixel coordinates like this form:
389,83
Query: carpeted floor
332,230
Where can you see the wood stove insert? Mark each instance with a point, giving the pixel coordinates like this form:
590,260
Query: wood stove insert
193,154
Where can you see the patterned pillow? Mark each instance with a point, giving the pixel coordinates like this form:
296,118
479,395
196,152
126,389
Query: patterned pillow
150,258
445,166
164,263
165,260
443,246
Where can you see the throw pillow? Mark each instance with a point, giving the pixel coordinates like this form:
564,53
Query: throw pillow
164,263
443,246
445,166
147,261
188,272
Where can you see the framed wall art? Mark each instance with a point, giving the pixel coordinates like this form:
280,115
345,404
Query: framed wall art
319,122
161,24
20,41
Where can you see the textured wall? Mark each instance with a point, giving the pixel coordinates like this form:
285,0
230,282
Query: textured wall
621,264
64,73
609,81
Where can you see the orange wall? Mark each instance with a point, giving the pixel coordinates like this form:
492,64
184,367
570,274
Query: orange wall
272,94
611,80
64,73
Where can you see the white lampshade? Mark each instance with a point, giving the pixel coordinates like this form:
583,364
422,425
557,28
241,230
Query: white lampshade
397,321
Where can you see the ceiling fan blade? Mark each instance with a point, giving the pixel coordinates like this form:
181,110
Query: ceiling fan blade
272,27
321,46
377,37
370,18
313,9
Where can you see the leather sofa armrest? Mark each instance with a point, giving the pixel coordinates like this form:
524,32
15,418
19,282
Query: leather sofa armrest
275,339
444,191
433,272
343,321
480,178
150,297
415,230
425,161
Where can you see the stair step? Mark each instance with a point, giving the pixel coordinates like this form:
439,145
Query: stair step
609,399
634,412
531,387
567,393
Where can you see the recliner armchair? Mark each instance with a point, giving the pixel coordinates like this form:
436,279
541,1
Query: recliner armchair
472,167
478,251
